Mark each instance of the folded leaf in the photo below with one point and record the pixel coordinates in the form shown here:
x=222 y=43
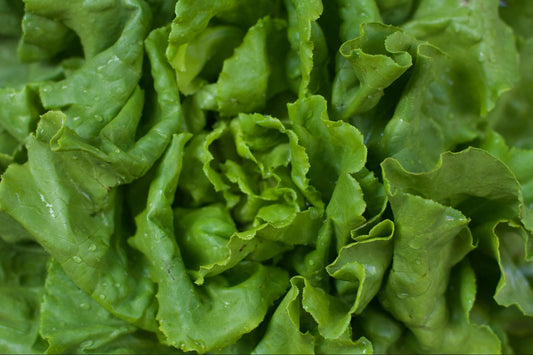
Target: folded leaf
x=307 y=62
x=309 y=321
x=73 y=323
x=379 y=56
x=65 y=169
x=235 y=301
x=361 y=266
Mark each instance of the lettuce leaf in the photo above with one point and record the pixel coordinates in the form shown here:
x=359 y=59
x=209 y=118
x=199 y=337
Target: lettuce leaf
x=238 y=176
x=22 y=275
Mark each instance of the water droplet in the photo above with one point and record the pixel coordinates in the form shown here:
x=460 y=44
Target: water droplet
x=74 y=157
x=450 y=218
x=481 y=57
x=86 y=344
x=92 y=247
x=418 y=262
x=98 y=118
x=200 y=346
x=75 y=118
x=371 y=269
x=85 y=306
x=114 y=58
x=102 y=297
x=76 y=259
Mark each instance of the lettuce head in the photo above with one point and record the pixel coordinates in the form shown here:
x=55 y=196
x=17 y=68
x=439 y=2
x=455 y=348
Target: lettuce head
x=266 y=176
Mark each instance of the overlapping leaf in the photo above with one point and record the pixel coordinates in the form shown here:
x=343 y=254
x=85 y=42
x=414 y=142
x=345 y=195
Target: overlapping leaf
x=239 y=176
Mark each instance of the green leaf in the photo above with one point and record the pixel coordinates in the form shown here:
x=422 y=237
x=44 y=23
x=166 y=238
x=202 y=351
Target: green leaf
x=205 y=55
x=361 y=266
x=476 y=53
x=22 y=275
x=308 y=60
x=379 y=56
x=381 y=329
x=64 y=169
x=346 y=207
x=516 y=103
x=333 y=147
x=465 y=181
x=11 y=12
x=310 y=321
x=284 y=334
x=453 y=83
x=517 y=14
x=43 y=38
x=237 y=300
x=113 y=60
x=472 y=181
x=352 y=14
x=255 y=72
x=395 y=11
x=14 y=74
x=508 y=244
x=73 y=323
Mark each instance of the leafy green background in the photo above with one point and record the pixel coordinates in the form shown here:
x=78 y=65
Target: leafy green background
x=272 y=176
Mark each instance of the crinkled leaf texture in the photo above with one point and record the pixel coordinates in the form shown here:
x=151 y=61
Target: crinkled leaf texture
x=266 y=176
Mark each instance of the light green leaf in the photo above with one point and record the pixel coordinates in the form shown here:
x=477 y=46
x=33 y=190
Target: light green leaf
x=73 y=323
x=333 y=147
x=379 y=56
x=232 y=304
x=326 y=324
x=361 y=266
x=307 y=63
x=453 y=83
x=255 y=72
x=516 y=103
x=22 y=275
x=63 y=170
